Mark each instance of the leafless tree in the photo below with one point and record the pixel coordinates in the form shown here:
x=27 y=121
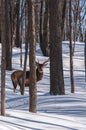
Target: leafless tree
x=3 y=59
x=85 y=56
x=44 y=26
x=32 y=59
x=57 y=10
x=8 y=35
x=71 y=48
x=17 y=39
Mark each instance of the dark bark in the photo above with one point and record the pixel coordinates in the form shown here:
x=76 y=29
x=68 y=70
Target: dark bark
x=75 y=22
x=41 y=23
x=44 y=17
x=45 y=28
x=26 y=53
x=71 y=48
x=85 y=56
x=17 y=40
x=8 y=36
x=32 y=59
x=3 y=59
x=56 y=63
x=0 y=31
x=37 y=19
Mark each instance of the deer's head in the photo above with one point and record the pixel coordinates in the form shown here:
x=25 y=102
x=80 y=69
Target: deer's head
x=41 y=65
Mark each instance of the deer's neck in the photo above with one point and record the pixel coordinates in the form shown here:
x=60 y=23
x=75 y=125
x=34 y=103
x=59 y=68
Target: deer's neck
x=39 y=74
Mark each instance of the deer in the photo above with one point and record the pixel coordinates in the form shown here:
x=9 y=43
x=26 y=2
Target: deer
x=17 y=76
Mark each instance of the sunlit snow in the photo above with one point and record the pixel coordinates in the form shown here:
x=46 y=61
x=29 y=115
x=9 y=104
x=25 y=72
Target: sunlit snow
x=65 y=112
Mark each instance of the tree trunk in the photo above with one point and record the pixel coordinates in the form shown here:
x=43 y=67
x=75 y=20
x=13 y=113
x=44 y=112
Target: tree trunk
x=56 y=32
x=41 y=23
x=32 y=59
x=85 y=56
x=44 y=40
x=0 y=31
x=37 y=20
x=8 y=36
x=71 y=48
x=75 y=22
x=45 y=28
x=26 y=53
x=17 y=40
x=3 y=59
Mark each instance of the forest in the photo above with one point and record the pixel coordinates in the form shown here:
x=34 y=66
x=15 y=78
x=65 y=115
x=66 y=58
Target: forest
x=41 y=43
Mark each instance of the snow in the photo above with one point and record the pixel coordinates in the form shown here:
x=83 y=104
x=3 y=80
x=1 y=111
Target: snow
x=61 y=112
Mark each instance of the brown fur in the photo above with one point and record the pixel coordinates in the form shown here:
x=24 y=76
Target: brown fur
x=16 y=76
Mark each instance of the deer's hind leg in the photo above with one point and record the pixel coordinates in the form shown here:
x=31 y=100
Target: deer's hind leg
x=14 y=81
x=21 y=86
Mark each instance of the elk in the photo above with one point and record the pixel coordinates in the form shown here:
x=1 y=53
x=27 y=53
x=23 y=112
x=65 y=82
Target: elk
x=17 y=76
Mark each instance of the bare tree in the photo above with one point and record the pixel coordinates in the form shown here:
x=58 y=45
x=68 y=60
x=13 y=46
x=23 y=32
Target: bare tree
x=41 y=23
x=17 y=40
x=32 y=59
x=26 y=49
x=8 y=35
x=78 y=21
x=85 y=56
x=82 y=21
x=37 y=8
x=76 y=17
x=3 y=59
x=66 y=25
x=0 y=31
x=71 y=48
x=57 y=10
x=44 y=26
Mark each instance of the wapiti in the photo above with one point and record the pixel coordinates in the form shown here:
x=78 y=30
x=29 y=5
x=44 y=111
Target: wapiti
x=16 y=76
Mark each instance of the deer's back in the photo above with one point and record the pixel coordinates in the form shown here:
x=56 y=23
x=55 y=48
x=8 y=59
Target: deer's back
x=17 y=74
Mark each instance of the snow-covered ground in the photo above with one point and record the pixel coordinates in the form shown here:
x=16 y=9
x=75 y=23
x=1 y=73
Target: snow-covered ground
x=65 y=112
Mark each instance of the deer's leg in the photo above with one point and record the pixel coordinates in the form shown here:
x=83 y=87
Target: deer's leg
x=14 y=81
x=21 y=87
